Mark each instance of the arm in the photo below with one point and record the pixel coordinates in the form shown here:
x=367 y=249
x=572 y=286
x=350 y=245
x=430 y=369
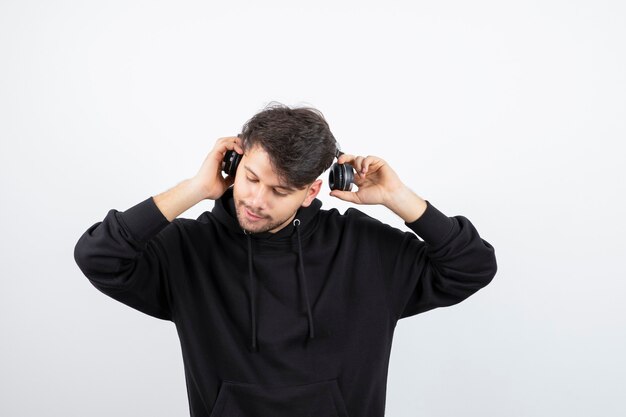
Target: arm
x=125 y=256
x=449 y=265
x=128 y=254
x=452 y=262
x=208 y=182
x=175 y=201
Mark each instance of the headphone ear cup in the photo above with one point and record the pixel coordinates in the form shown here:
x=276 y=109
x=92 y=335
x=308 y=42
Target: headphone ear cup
x=231 y=162
x=341 y=177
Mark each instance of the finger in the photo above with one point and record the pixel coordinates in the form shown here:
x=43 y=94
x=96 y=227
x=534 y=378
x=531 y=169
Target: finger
x=239 y=145
x=371 y=161
x=358 y=164
x=227 y=139
x=345 y=159
x=366 y=164
x=350 y=159
x=232 y=143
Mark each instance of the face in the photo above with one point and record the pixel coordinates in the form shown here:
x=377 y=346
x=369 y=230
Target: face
x=263 y=203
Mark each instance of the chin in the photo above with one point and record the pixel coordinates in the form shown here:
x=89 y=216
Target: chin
x=252 y=228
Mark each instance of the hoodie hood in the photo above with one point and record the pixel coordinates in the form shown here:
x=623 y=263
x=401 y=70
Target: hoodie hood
x=304 y=223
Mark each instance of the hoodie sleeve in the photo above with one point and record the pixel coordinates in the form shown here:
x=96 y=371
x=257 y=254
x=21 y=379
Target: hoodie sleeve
x=124 y=257
x=450 y=264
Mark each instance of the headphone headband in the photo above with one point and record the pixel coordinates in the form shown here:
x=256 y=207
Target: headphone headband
x=338 y=152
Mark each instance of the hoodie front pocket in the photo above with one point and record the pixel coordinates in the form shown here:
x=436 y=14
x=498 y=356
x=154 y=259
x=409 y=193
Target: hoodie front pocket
x=318 y=399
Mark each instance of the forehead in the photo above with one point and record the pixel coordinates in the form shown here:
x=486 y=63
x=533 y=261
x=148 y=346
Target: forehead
x=257 y=162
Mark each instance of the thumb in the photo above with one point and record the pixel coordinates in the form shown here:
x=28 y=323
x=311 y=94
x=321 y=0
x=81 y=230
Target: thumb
x=344 y=195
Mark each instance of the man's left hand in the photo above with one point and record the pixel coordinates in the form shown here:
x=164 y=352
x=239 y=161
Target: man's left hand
x=376 y=181
x=379 y=184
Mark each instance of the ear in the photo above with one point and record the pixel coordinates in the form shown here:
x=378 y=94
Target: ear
x=312 y=192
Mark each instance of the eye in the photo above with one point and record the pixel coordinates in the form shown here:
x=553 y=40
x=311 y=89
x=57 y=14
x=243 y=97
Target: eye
x=275 y=192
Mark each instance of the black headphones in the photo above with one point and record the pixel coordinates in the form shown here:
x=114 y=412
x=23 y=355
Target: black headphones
x=341 y=176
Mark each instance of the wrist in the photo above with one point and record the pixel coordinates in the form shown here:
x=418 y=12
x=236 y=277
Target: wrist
x=178 y=199
x=406 y=204
x=197 y=189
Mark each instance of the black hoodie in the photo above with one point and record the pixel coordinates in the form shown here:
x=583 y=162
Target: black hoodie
x=296 y=323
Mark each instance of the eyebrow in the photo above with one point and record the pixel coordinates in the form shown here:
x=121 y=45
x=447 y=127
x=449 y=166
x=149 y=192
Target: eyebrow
x=275 y=186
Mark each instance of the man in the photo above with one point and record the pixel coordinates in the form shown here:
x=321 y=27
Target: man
x=283 y=308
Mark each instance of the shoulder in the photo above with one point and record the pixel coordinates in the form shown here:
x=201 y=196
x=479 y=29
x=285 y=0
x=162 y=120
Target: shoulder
x=378 y=229
x=186 y=228
x=355 y=220
x=203 y=221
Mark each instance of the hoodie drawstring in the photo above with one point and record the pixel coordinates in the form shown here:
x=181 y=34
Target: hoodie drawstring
x=251 y=291
x=302 y=282
x=302 y=276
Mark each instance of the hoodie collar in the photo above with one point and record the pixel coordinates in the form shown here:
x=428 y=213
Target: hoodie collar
x=301 y=225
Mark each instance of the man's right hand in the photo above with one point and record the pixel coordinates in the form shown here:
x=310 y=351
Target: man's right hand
x=209 y=178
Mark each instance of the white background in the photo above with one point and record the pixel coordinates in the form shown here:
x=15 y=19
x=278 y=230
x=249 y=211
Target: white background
x=509 y=113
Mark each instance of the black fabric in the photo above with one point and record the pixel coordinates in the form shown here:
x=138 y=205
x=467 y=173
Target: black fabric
x=294 y=323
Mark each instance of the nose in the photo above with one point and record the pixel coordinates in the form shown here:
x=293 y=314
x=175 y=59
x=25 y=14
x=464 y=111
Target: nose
x=258 y=202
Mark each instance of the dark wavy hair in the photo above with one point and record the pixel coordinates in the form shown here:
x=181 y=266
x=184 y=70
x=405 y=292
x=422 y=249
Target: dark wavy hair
x=298 y=141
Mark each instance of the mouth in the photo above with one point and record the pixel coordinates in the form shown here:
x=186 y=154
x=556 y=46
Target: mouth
x=251 y=215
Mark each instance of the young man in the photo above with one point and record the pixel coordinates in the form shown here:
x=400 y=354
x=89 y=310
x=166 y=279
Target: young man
x=283 y=308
